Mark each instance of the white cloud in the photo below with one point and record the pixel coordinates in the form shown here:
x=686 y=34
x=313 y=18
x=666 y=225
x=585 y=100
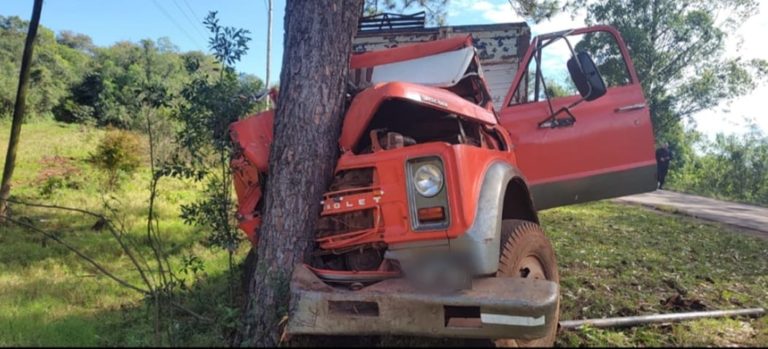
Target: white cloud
x=734 y=118
x=561 y=21
x=482 y=6
x=456 y=8
x=497 y=11
x=502 y=13
x=749 y=41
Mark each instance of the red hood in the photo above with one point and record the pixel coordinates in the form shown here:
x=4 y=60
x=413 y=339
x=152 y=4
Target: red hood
x=366 y=103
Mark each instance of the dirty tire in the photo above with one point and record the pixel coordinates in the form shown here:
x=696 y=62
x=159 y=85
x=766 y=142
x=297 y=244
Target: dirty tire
x=526 y=252
x=249 y=267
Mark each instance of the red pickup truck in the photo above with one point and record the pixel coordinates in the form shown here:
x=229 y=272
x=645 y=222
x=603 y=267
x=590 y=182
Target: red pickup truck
x=430 y=226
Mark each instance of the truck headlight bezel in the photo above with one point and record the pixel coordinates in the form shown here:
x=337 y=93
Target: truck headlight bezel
x=430 y=196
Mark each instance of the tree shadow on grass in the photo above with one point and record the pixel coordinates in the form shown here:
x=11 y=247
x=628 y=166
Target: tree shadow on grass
x=37 y=329
x=21 y=246
x=63 y=315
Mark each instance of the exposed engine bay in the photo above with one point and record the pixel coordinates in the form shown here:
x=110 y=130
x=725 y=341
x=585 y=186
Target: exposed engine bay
x=400 y=123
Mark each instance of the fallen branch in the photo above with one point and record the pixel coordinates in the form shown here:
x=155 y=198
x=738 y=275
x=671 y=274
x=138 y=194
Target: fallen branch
x=73 y=209
x=190 y=312
x=112 y=230
x=77 y=252
x=658 y=318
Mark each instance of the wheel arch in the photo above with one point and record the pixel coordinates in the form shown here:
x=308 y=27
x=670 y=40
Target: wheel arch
x=517 y=202
x=503 y=195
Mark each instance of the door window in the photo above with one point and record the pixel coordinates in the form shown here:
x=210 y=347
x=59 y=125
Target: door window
x=546 y=75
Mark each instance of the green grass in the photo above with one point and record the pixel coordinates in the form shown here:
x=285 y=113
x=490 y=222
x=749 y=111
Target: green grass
x=49 y=296
x=619 y=260
x=614 y=260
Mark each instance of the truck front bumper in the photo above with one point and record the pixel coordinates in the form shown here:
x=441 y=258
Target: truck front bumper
x=513 y=308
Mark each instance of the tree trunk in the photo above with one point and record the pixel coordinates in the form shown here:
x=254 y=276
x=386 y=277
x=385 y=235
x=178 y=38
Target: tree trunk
x=18 y=110
x=318 y=41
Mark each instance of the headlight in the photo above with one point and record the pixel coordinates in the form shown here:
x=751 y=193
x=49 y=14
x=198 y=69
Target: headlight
x=428 y=180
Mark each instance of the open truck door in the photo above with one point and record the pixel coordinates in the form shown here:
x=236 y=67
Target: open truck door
x=579 y=122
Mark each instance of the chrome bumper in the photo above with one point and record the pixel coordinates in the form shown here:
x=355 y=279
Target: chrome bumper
x=494 y=308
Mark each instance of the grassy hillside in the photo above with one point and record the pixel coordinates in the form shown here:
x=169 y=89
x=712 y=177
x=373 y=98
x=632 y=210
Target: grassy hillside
x=48 y=296
x=614 y=260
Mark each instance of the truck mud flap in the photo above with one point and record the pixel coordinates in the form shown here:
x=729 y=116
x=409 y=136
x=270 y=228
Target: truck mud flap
x=494 y=308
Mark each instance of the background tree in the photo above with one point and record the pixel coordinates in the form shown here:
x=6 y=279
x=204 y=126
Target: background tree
x=109 y=91
x=72 y=80
x=538 y=10
x=678 y=48
x=732 y=167
x=19 y=109
x=76 y=41
x=53 y=69
x=535 y=10
x=435 y=9
x=211 y=104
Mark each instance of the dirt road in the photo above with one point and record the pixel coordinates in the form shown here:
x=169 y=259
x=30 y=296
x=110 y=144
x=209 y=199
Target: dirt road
x=749 y=217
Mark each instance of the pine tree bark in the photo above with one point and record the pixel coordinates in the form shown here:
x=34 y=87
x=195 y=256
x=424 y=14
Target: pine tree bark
x=317 y=46
x=18 y=110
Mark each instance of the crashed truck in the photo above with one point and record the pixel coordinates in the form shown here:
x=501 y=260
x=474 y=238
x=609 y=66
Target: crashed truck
x=430 y=225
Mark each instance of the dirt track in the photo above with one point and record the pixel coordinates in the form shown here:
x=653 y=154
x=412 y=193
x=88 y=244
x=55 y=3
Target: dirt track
x=752 y=218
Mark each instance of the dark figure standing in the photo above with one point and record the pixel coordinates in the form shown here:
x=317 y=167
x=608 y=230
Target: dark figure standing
x=663 y=156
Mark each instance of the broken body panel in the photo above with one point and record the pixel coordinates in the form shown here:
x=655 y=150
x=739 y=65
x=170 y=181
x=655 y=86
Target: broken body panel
x=428 y=169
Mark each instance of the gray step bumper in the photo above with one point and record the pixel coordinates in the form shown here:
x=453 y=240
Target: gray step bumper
x=493 y=308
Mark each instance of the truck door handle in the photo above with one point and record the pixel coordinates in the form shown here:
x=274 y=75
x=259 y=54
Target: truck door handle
x=631 y=107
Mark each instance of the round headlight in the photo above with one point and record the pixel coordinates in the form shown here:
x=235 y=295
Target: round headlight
x=428 y=180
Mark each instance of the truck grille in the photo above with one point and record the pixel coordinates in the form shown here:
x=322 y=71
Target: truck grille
x=345 y=223
x=347 y=182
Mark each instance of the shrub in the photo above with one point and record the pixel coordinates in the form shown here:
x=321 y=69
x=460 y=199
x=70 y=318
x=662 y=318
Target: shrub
x=117 y=154
x=70 y=112
x=57 y=172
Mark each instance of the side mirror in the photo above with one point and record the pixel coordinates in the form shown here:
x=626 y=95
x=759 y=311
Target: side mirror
x=586 y=77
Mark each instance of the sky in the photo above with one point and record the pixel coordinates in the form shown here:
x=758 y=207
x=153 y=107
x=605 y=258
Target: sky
x=109 y=21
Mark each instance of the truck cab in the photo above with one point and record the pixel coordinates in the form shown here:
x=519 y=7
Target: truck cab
x=430 y=225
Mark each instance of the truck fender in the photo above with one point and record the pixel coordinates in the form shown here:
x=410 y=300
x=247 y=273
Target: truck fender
x=503 y=195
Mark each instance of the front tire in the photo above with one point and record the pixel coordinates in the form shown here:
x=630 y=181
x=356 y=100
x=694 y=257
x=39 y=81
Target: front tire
x=526 y=252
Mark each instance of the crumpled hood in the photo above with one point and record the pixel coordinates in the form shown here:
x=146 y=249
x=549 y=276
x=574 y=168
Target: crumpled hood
x=366 y=103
